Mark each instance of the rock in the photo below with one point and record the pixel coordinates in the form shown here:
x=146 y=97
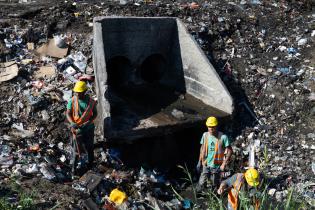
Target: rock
x=280 y=195
x=178 y=114
x=311 y=135
x=272 y=191
x=289 y=148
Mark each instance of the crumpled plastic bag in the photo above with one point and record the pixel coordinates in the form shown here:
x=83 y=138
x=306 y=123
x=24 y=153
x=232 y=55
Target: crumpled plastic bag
x=117 y=196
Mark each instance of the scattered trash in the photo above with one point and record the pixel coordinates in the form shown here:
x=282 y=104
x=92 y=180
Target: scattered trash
x=272 y=70
x=60 y=41
x=34 y=148
x=284 y=70
x=302 y=42
x=6 y=161
x=47 y=172
x=50 y=49
x=80 y=61
x=186 y=204
x=91 y=180
x=8 y=71
x=292 y=50
x=71 y=71
x=30 y=46
x=45 y=72
x=193 y=5
x=21 y=132
x=178 y=114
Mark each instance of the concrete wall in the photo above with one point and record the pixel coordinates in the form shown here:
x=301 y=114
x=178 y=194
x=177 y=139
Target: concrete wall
x=201 y=79
x=137 y=39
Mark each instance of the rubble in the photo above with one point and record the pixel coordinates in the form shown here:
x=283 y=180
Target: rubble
x=8 y=71
x=263 y=51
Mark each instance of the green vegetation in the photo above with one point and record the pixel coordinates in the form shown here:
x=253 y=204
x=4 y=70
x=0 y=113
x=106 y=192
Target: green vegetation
x=293 y=200
x=21 y=200
x=24 y=202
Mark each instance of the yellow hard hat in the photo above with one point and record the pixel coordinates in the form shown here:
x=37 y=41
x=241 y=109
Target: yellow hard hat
x=211 y=122
x=252 y=177
x=80 y=87
x=117 y=196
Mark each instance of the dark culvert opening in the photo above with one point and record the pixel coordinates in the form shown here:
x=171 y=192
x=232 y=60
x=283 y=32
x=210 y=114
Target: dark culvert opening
x=164 y=153
x=153 y=68
x=137 y=94
x=119 y=69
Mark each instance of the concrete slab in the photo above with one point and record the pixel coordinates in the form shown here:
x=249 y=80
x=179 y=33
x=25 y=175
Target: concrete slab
x=147 y=69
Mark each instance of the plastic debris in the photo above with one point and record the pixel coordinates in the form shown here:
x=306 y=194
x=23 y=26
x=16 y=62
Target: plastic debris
x=80 y=61
x=117 y=196
x=47 y=172
x=302 y=42
x=186 y=204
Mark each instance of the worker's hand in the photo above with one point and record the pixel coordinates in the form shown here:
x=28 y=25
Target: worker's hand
x=86 y=123
x=198 y=167
x=220 y=190
x=74 y=125
x=222 y=167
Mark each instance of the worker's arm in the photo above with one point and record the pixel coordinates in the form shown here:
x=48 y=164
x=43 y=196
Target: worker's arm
x=229 y=152
x=222 y=188
x=226 y=184
x=94 y=116
x=69 y=117
x=68 y=112
x=70 y=120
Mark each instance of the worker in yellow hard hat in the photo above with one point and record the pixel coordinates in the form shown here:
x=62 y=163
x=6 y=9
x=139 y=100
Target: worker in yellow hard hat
x=237 y=182
x=81 y=113
x=215 y=153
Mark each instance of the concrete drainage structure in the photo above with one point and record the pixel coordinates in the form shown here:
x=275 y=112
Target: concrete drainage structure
x=152 y=78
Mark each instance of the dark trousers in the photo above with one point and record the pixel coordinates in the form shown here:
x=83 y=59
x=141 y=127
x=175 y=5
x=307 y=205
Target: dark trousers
x=82 y=143
x=213 y=174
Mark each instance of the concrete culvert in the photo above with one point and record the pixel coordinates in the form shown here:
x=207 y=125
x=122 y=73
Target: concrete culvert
x=174 y=87
x=119 y=69
x=152 y=68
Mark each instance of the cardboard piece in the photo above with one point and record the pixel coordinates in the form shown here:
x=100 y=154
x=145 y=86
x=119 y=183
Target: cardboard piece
x=50 y=49
x=91 y=180
x=8 y=71
x=30 y=46
x=45 y=72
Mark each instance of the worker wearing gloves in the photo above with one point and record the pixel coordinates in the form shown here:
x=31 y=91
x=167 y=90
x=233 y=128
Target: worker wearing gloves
x=237 y=182
x=81 y=112
x=214 y=145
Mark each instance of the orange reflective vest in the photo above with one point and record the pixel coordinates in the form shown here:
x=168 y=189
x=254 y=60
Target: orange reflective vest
x=86 y=115
x=218 y=151
x=233 y=192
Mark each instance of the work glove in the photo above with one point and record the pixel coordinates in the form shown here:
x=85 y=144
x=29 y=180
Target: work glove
x=74 y=125
x=198 y=167
x=85 y=124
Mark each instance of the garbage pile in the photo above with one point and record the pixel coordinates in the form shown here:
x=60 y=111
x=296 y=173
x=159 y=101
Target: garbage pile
x=263 y=51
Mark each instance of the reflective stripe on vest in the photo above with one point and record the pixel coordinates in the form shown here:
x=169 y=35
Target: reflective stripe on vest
x=218 y=151
x=87 y=114
x=233 y=192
